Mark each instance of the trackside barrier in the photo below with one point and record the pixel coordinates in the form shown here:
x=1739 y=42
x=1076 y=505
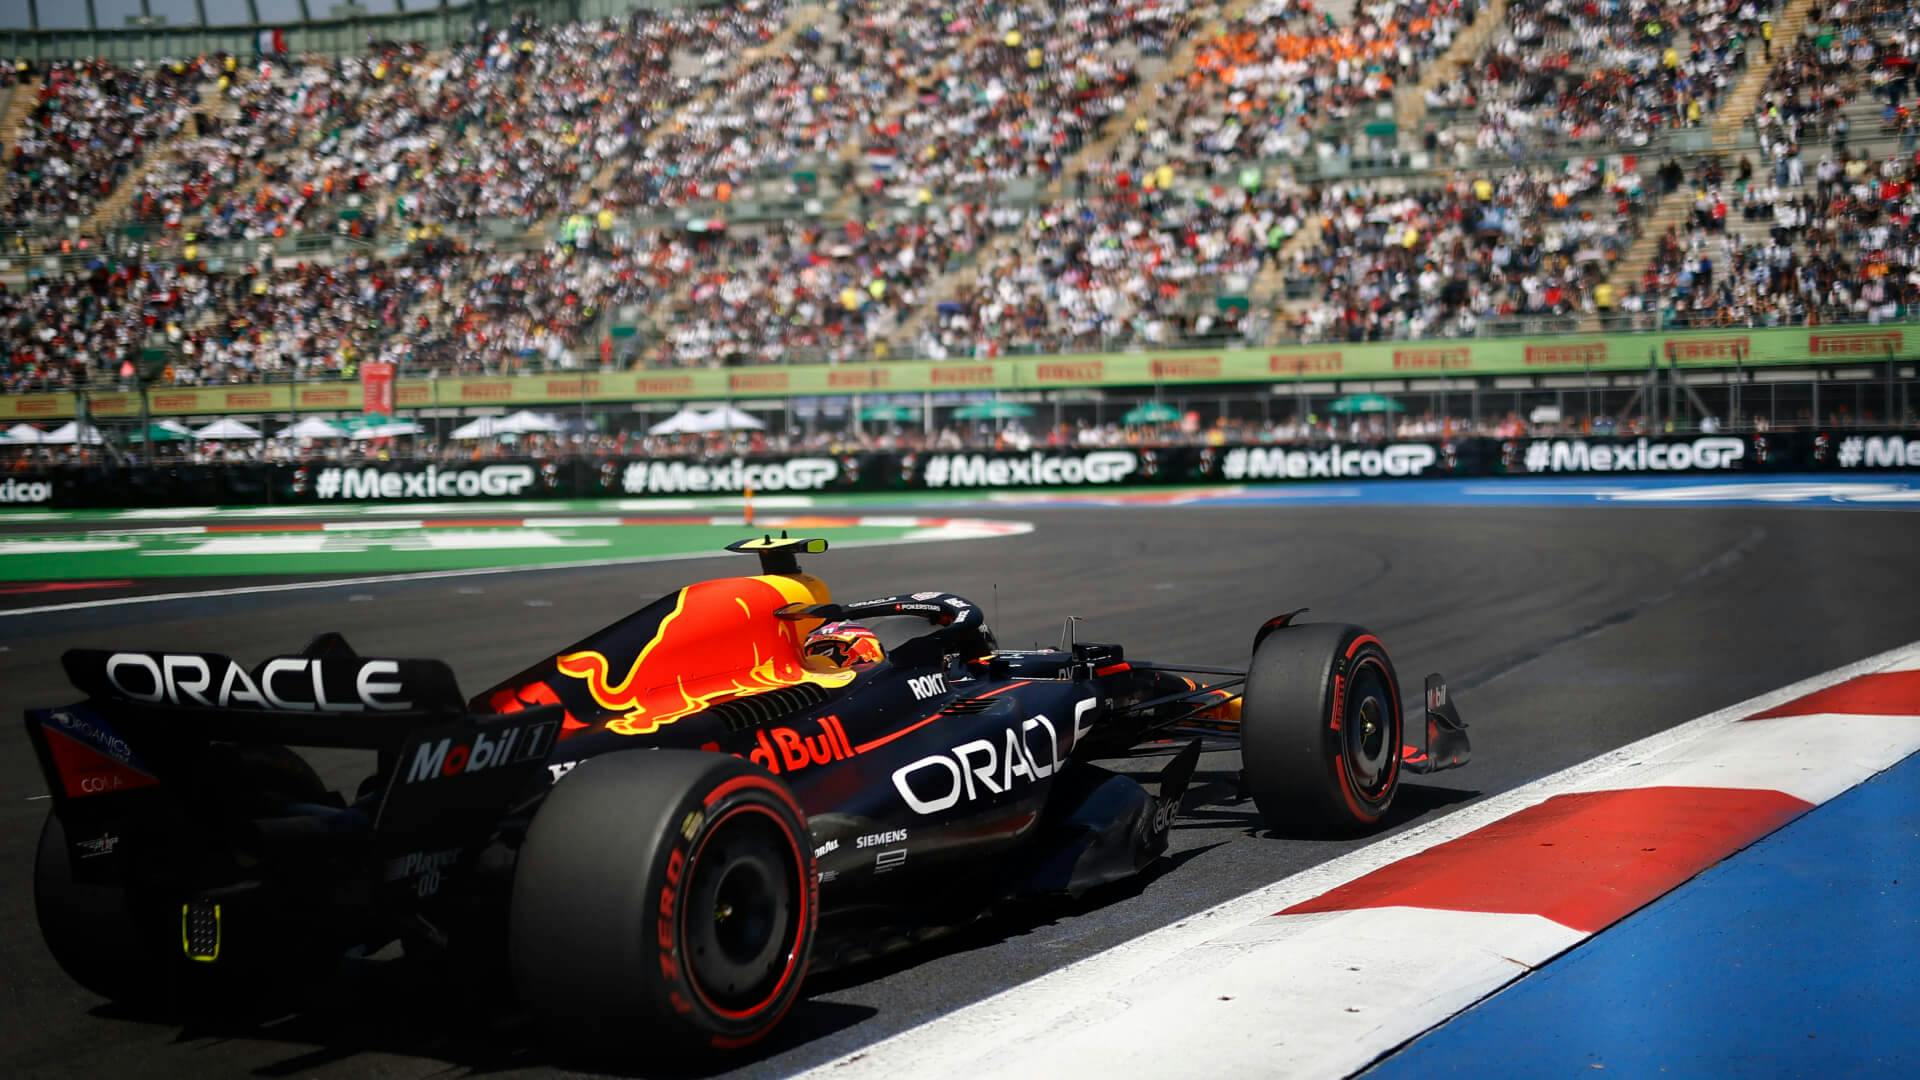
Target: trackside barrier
x=1839 y=451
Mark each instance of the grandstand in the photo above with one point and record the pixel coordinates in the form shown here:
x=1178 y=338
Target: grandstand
x=260 y=190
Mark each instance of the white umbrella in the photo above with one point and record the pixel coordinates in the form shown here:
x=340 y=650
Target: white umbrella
x=728 y=418
x=528 y=422
x=24 y=433
x=227 y=428
x=70 y=433
x=312 y=428
x=386 y=431
x=485 y=427
x=680 y=423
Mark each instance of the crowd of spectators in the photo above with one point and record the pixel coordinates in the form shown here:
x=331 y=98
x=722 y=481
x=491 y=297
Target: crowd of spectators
x=1141 y=265
x=87 y=128
x=809 y=290
x=514 y=124
x=1608 y=74
x=1286 y=74
x=927 y=117
x=1840 y=244
x=1399 y=261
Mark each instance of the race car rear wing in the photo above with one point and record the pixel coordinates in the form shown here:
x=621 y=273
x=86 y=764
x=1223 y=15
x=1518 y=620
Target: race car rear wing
x=148 y=715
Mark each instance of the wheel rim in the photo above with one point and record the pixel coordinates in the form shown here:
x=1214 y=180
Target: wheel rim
x=1367 y=730
x=740 y=922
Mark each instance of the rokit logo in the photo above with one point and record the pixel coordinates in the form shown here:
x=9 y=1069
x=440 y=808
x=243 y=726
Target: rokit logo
x=670 y=477
x=1643 y=455
x=1334 y=462
x=482 y=750
x=926 y=686
x=433 y=482
x=980 y=470
x=286 y=682
x=28 y=491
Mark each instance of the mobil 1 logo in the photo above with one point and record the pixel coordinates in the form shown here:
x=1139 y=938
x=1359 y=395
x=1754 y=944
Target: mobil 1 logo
x=445 y=776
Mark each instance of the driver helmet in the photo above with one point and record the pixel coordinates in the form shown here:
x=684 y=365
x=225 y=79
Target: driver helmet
x=838 y=646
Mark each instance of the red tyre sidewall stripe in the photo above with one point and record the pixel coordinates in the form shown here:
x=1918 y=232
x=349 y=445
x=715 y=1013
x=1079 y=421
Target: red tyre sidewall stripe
x=804 y=894
x=1347 y=793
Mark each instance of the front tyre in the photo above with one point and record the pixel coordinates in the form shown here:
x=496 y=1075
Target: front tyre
x=671 y=887
x=1321 y=728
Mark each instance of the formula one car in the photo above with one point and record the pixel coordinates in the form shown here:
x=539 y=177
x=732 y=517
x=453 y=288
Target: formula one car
x=791 y=811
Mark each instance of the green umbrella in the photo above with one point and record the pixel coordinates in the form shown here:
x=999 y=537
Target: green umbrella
x=164 y=431
x=889 y=412
x=993 y=410
x=1152 y=412
x=367 y=420
x=1366 y=403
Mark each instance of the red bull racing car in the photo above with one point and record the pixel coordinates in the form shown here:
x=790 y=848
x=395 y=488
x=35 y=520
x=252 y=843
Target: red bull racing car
x=805 y=798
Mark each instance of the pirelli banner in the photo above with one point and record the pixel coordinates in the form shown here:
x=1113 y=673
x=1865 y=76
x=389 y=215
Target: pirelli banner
x=1600 y=353
x=1078 y=469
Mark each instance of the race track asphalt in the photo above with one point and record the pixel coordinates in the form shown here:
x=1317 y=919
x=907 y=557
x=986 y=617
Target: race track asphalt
x=1565 y=633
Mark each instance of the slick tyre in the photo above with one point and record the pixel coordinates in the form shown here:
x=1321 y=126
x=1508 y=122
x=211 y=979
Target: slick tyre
x=90 y=929
x=1321 y=729
x=122 y=941
x=669 y=887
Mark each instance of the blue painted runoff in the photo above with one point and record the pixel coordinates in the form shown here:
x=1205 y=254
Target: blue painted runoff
x=1798 y=957
x=1859 y=491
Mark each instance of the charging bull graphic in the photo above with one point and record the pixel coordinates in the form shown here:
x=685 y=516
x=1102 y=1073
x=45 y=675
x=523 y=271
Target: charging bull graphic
x=720 y=641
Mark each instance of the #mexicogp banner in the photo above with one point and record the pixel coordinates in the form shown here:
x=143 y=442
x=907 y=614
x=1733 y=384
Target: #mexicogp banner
x=103 y=485
x=1560 y=355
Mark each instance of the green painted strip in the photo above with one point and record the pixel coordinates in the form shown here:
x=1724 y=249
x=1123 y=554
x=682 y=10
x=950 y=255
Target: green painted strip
x=80 y=556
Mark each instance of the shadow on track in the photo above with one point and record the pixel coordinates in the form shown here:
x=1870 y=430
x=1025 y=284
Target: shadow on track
x=388 y=1006
x=1215 y=801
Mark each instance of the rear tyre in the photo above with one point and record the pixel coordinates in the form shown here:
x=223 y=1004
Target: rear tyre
x=122 y=941
x=671 y=887
x=90 y=929
x=1321 y=728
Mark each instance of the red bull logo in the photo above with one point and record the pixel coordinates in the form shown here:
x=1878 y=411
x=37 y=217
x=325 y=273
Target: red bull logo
x=722 y=640
x=785 y=750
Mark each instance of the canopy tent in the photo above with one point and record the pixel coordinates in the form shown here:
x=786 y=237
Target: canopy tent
x=528 y=422
x=728 y=418
x=691 y=421
x=993 y=410
x=313 y=428
x=520 y=423
x=1366 y=403
x=21 y=434
x=889 y=412
x=1152 y=412
x=228 y=428
x=70 y=433
x=163 y=431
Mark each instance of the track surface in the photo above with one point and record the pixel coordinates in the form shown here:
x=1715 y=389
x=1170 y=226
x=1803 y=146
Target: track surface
x=1565 y=633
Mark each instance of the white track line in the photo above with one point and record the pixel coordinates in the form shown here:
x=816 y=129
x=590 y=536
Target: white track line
x=1110 y=1012
x=955 y=530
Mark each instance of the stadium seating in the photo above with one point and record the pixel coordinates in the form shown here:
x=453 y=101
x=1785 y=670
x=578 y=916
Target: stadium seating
x=772 y=182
